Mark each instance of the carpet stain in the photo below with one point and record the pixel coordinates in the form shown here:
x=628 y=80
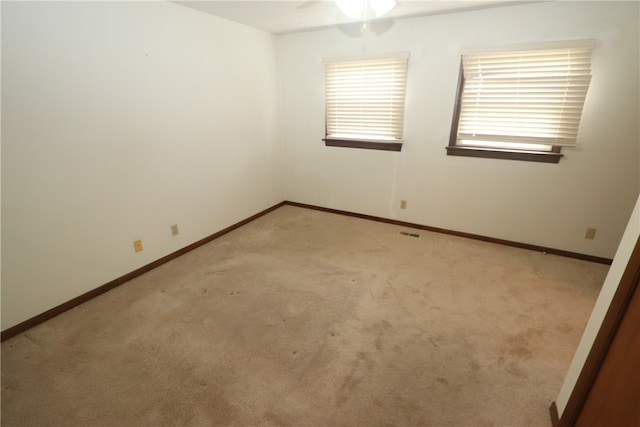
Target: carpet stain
x=362 y=364
x=278 y=419
x=379 y=330
x=520 y=345
x=565 y=328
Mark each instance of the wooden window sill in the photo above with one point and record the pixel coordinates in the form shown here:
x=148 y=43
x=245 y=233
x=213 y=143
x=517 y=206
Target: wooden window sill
x=367 y=145
x=494 y=153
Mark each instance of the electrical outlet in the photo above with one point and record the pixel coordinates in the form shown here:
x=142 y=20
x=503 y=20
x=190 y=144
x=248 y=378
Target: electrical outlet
x=403 y=204
x=137 y=245
x=174 y=230
x=590 y=234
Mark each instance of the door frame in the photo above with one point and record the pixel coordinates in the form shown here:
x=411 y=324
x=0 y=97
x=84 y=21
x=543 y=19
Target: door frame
x=610 y=324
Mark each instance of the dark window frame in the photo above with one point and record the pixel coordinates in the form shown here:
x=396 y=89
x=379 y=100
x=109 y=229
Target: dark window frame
x=362 y=143
x=453 y=149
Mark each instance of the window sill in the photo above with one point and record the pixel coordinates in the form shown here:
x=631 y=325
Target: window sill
x=494 y=153
x=367 y=145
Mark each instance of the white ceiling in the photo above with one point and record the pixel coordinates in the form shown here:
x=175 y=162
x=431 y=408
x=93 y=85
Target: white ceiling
x=288 y=16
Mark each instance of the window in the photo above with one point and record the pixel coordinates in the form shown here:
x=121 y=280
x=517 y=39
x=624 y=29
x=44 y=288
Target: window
x=365 y=101
x=521 y=102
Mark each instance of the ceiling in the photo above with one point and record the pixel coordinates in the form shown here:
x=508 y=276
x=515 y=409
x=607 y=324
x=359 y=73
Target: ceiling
x=289 y=16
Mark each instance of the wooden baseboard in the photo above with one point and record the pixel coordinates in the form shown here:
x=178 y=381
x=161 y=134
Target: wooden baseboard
x=555 y=418
x=30 y=323
x=536 y=248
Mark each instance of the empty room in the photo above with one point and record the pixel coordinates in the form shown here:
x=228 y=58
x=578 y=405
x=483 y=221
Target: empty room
x=320 y=213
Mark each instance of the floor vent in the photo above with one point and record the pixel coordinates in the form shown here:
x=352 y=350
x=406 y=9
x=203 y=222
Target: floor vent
x=404 y=233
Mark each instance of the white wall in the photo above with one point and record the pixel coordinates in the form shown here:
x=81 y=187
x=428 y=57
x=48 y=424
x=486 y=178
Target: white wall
x=118 y=120
x=594 y=185
x=623 y=254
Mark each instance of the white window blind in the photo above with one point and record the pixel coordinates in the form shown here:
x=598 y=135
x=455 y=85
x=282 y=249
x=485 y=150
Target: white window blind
x=365 y=98
x=531 y=94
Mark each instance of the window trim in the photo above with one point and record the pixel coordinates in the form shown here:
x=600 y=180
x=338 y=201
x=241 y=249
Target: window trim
x=364 y=144
x=496 y=153
x=453 y=149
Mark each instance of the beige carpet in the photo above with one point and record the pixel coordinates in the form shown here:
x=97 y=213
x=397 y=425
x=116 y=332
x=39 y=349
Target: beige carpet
x=304 y=318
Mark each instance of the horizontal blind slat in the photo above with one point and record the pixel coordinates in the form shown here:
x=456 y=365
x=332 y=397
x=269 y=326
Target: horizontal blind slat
x=525 y=96
x=366 y=97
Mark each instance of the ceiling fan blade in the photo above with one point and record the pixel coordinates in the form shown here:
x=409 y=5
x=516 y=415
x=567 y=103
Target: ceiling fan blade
x=308 y=3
